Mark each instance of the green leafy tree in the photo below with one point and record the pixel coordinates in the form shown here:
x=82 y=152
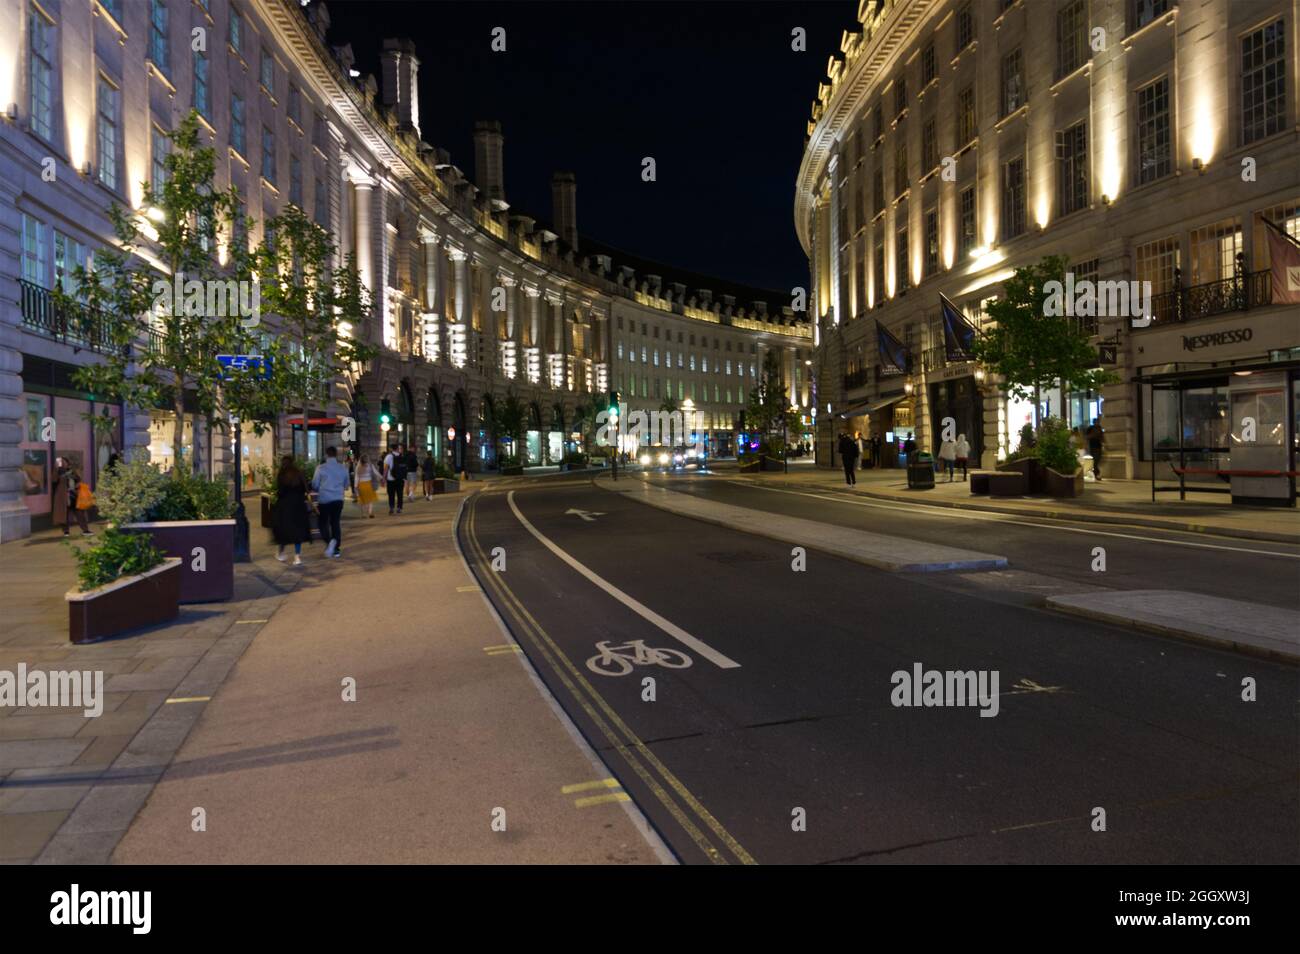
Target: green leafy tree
x=1032 y=350
x=146 y=299
x=768 y=411
x=511 y=418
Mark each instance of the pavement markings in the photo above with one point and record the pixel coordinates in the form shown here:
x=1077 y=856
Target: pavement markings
x=507 y=650
x=1003 y=518
x=624 y=741
x=249 y=622
x=601 y=799
x=1028 y=685
x=469 y=589
x=188 y=699
x=645 y=612
x=588 y=786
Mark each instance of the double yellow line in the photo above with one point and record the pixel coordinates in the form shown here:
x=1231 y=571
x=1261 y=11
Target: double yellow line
x=656 y=776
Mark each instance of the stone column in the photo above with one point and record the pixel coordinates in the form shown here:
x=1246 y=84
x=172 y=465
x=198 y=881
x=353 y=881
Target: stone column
x=533 y=335
x=365 y=250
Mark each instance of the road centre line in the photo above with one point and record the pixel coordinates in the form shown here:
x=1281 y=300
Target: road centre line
x=645 y=612
x=1005 y=518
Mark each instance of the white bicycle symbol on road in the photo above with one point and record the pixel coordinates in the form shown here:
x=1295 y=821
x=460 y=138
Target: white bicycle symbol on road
x=619 y=660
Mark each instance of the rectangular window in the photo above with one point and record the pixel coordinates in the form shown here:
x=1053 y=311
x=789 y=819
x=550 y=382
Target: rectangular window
x=238 y=140
x=202 y=96
x=1086 y=271
x=1157 y=262
x=878 y=191
x=108 y=135
x=35 y=252
x=965 y=116
x=1263 y=82
x=268 y=155
x=965 y=28
x=1153 y=150
x=966 y=222
x=1214 y=251
x=69 y=254
x=1072 y=169
x=929 y=146
x=267 y=75
x=294 y=109
x=900 y=95
x=879 y=278
x=322 y=205
x=902 y=274
x=318 y=132
x=931 y=242
x=41 y=74
x=1144 y=11
x=1013 y=82
x=158 y=33
x=236 y=32
x=928 y=71
x=877 y=124
x=900 y=168
x=1013 y=198
x=1071 y=38
x=295 y=181
x=161 y=146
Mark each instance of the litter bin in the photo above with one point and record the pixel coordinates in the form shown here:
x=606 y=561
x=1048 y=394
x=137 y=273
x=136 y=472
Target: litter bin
x=920 y=471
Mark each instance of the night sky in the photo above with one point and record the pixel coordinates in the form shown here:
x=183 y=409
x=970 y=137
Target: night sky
x=711 y=90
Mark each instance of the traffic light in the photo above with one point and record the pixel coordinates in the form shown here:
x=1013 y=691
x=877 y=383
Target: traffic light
x=613 y=405
x=385 y=414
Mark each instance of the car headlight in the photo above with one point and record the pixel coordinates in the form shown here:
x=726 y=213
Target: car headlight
x=677 y=459
x=663 y=458
x=645 y=458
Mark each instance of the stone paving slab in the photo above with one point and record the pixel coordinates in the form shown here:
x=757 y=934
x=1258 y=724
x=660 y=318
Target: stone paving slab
x=896 y=554
x=1251 y=628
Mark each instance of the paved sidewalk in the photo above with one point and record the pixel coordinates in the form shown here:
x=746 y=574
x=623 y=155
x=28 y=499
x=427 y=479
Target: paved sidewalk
x=447 y=728
x=1109 y=501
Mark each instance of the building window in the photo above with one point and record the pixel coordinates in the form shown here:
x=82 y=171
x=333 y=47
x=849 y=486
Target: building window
x=268 y=155
x=878 y=190
x=108 y=134
x=1072 y=169
x=965 y=116
x=928 y=71
x=35 y=254
x=931 y=241
x=236 y=32
x=1214 y=251
x=1154 y=154
x=1157 y=262
x=966 y=222
x=294 y=108
x=878 y=279
x=69 y=254
x=1013 y=82
x=295 y=181
x=202 y=99
x=1144 y=11
x=322 y=205
x=41 y=74
x=1086 y=271
x=161 y=147
x=902 y=275
x=965 y=28
x=900 y=95
x=929 y=146
x=158 y=33
x=1263 y=82
x=1286 y=217
x=238 y=141
x=900 y=168
x=1071 y=38
x=1013 y=198
x=268 y=71
x=877 y=124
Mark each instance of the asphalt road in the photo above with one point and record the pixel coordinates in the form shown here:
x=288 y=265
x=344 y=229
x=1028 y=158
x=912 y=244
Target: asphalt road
x=784 y=712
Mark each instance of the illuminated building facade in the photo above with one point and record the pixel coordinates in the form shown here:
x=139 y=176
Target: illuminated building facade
x=1145 y=140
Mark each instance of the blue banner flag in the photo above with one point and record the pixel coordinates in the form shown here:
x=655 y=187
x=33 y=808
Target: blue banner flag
x=894 y=357
x=958 y=333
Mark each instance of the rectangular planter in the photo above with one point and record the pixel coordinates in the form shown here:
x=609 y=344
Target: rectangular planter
x=450 y=485
x=1061 y=485
x=206 y=549
x=132 y=602
x=1007 y=483
x=979 y=484
x=1033 y=471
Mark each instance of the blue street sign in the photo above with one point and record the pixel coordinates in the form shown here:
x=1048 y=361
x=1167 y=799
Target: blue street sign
x=244 y=363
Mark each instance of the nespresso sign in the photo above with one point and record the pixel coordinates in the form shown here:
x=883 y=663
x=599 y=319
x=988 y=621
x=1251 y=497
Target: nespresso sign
x=1231 y=336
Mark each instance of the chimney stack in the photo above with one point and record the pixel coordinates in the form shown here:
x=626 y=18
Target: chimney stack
x=488 y=159
x=400 y=69
x=564 y=206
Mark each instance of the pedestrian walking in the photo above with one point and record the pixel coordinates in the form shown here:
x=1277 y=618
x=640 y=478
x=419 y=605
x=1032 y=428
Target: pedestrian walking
x=291 y=505
x=861 y=445
x=848 y=449
x=412 y=472
x=395 y=477
x=1096 y=441
x=948 y=456
x=352 y=475
x=427 y=470
x=909 y=447
x=963 y=454
x=72 y=498
x=330 y=481
x=367 y=478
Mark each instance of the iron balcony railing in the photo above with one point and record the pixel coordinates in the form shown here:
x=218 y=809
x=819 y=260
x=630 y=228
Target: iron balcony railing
x=857 y=379
x=1243 y=291
x=71 y=324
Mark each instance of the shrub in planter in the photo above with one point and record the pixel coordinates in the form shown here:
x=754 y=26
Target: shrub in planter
x=1053 y=448
x=510 y=466
x=125 y=583
x=115 y=554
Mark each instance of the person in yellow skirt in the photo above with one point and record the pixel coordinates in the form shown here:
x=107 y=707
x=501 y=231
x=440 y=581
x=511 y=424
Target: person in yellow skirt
x=366 y=476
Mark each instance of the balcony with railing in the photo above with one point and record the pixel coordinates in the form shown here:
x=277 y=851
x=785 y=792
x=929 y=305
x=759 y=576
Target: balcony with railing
x=72 y=324
x=1243 y=291
x=857 y=379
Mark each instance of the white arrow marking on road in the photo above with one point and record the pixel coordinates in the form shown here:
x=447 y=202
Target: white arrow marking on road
x=587 y=515
x=672 y=629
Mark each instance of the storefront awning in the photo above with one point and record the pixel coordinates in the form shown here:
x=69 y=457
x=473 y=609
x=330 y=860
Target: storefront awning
x=854 y=410
x=885 y=402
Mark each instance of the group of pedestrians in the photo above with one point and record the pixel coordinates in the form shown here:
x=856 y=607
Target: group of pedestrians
x=398 y=471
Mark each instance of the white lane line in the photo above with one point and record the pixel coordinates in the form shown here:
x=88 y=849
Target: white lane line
x=1003 y=518
x=645 y=612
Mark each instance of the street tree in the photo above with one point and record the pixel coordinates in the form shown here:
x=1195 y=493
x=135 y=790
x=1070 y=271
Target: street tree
x=768 y=411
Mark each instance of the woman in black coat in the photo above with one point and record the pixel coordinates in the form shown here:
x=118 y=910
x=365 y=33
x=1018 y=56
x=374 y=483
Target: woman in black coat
x=291 y=510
